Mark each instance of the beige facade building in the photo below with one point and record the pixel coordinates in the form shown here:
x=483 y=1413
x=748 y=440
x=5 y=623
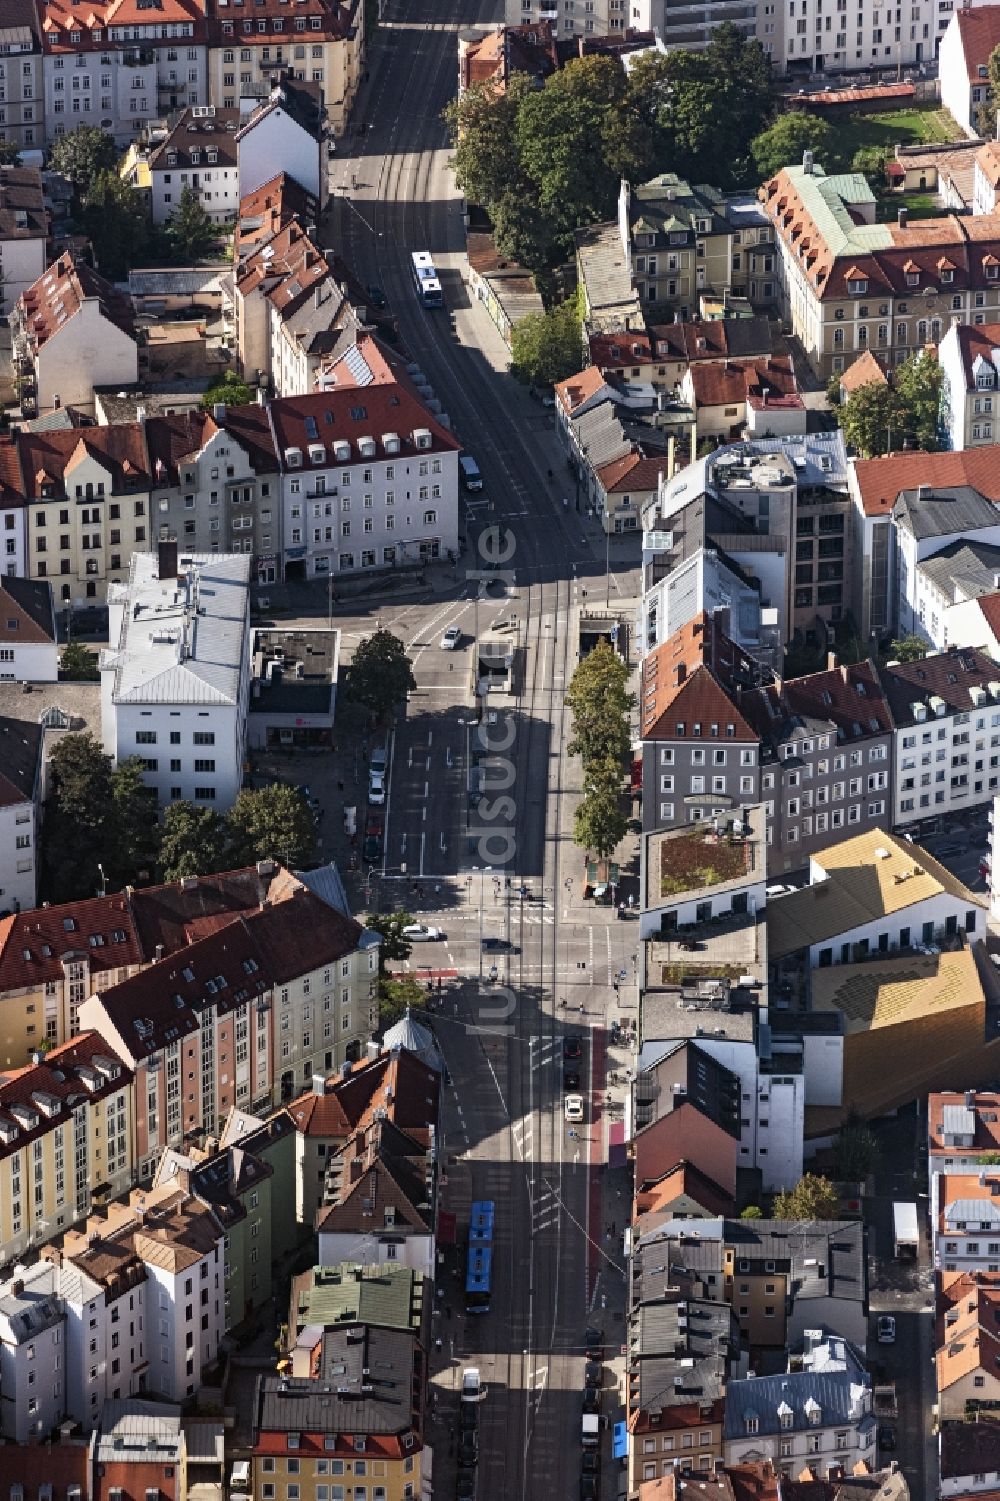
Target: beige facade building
x=677 y=240
x=65 y=1139
x=849 y=284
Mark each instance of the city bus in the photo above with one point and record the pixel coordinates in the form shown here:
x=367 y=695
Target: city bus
x=481 y=1223
x=425 y=279
x=478 y=1279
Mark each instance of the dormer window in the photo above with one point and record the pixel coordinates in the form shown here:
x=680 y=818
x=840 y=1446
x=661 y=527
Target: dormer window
x=947 y=274
x=858 y=287
x=195 y=158
x=913 y=278
x=984 y=380
x=751 y=1423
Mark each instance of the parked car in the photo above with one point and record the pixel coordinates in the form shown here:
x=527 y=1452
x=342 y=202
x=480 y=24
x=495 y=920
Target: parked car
x=592 y=1399
x=376 y=788
x=418 y=932
x=472 y=1387
x=573 y=1107
x=374 y=826
x=779 y=889
x=886 y=1438
x=371 y=850
x=468 y=1449
x=572 y=1048
x=590 y=1487
x=593 y=1342
x=591 y=1462
x=376 y=296
x=499 y=946
x=466 y=1485
x=886 y=1329
x=571 y=1078
x=379 y=759
x=593 y=1374
x=451 y=637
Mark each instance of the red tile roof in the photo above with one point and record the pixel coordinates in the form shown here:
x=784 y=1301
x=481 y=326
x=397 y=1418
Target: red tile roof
x=988 y=161
x=989 y=605
x=336 y=21
x=976 y=341
x=864 y=371
x=573 y=392
x=121 y=450
x=62 y=17
x=979 y=32
x=384 y=1169
x=682 y=684
x=986 y=1109
x=348 y=414
x=59 y=1466
x=42 y=1096
x=264 y=211
x=397 y=1082
x=732 y=382
x=57 y=295
x=633 y=472
x=880 y=481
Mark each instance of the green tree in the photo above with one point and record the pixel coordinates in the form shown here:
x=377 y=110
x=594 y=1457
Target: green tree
x=752 y=1212
x=75 y=834
x=190 y=232
x=482 y=125
x=855 y=1151
x=812 y=1198
x=917 y=383
x=134 y=834
x=396 y=997
x=81 y=154
x=9 y=154
x=272 y=822
x=872 y=161
x=601 y=706
x=873 y=419
x=910 y=648
x=548 y=347
x=381 y=674
x=193 y=841
x=78 y=664
x=782 y=144
x=114 y=217
x=229 y=389
x=599 y=823
x=986 y=114
x=395 y=947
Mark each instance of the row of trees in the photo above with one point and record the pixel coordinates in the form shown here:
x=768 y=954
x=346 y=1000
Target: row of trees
x=903 y=409
x=101 y=830
x=601 y=707
x=545 y=161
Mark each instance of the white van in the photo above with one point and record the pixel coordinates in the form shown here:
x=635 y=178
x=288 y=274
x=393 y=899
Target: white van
x=471 y=477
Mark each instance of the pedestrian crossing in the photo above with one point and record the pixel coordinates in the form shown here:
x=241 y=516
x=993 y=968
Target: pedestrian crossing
x=544 y=1051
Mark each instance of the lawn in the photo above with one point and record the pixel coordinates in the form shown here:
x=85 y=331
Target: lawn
x=698 y=859
x=897 y=127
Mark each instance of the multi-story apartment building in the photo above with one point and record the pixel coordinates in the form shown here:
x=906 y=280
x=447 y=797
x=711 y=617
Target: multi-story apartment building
x=29 y=651
x=848 y=284
x=121 y=71
x=32 y=1354
x=200 y=154
x=677 y=241
x=138 y=1447
x=965 y=1231
x=20 y=811
x=970 y=404
x=66 y=1130
x=682 y=25
x=946 y=712
x=970 y=35
x=287 y=132
x=369 y=476
x=71 y=331
x=821 y=1414
x=240 y=1017
x=21 y=110
x=321 y=41
x=926 y=522
x=215 y=484
x=341 y=1423
x=175 y=679
x=24 y=231
x=809 y=37
x=826 y=759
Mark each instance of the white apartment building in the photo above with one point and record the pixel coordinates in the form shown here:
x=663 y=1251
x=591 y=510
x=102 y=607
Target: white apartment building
x=966 y=1228
x=20 y=795
x=970 y=405
x=200 y=154
x=926 y=522
x=369 y=476
x=286 y=134
x=13 y=554
x=121 y=77
x=820 y=1416
x=32 y=1354
x=21 y=109
x=29 y=651
x=175 y=681
x=946 y=710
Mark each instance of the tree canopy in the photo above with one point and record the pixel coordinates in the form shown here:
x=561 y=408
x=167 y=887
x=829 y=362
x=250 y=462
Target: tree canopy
x=10 y=156
x=100 y=828
x=545 y=161
x=601 y=706
x=380 y=675
x=114 y=217
x=880 y=416
x=812 y=1198
x=189 y=231
x=396 y=997
x=786 y=139
x=600 y=823
x=548 y=347
x=910 y=648
x=395 y=948
x=230 y=389
x=78 y=663
x=193 y=841
x=272 y=822
x=81 y=154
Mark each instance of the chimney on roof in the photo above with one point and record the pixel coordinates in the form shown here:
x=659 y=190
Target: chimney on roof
x=158 y=952
x=167 y=559
x=319 y=1084
x=681 y=672
x=831 y=661
x=807 y=163
x=901 y=218
x=140 y=413
x=182 y=1178
x=219 y=412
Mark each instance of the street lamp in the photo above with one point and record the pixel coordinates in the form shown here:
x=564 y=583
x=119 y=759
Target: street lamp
x=483 y=872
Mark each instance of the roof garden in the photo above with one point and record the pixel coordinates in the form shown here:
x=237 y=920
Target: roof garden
x=700 y=858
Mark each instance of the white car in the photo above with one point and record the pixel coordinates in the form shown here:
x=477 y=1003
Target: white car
x=376 y=789
x=778 y=890
x=573 y=1107
x=418 y=932
x=887 y=1330
x=451 y=637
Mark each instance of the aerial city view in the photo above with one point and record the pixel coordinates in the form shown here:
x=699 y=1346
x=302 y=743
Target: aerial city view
x=499 y=750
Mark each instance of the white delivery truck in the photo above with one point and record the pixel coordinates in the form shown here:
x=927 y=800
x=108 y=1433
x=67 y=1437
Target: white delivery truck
x=905 y=1232
x=590 y=1435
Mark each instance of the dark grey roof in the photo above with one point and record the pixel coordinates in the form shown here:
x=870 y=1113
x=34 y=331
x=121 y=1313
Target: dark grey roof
x=950 y=675
x=20 y=749
x=365 y=1384
x=300 y=99
x=825 y=1258
x=201 y=132
x=701 y=1081
x=760 y=1397
x=969 y=1449
x=33 y=597
x=688 y=1327
x=964 y=569
x=662 y=1381
x=961 y=509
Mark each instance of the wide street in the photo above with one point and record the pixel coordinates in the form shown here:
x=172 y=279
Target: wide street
x=506 y=1136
